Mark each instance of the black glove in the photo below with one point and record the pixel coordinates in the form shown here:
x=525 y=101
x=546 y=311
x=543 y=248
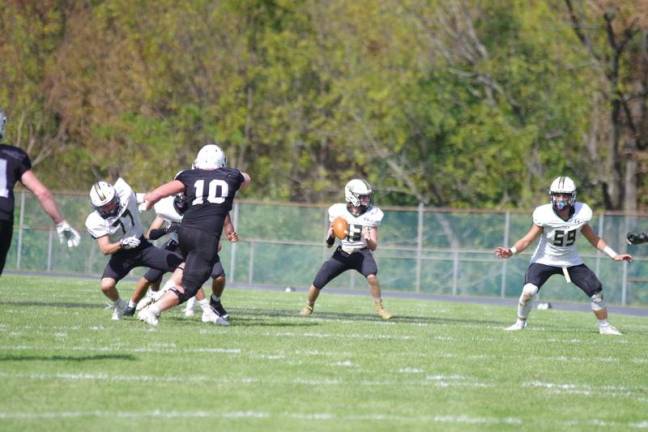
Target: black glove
x=635 y=239
x=157 y=233
x=329 y=241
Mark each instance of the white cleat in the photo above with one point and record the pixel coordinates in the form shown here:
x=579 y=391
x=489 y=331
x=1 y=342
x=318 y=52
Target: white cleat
x=148 y=317
x=118 y=309
x=189 y=312
x=519 y=325
x=211 y=317
x=609 y=330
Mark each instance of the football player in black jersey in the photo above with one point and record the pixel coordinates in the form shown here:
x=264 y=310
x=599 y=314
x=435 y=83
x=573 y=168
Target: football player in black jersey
x=15 y=166
x=210 y=188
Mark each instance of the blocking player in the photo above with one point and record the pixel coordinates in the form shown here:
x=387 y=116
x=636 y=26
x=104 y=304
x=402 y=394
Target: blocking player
x=169 y=212
x=557 y=224
x=15 y=166
x=116 y=225
x=355 y=251
x=210 y=188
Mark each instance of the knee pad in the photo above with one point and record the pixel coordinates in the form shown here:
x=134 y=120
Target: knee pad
x=598 y=303
x=183 y=296
x=528 y=292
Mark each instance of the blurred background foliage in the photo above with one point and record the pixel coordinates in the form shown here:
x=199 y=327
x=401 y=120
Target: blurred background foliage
x=453 y=103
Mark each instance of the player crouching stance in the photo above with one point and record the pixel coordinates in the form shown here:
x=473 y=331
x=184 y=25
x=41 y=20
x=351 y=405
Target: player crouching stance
x=558 y=223
x=116 y=226
x=355 y=250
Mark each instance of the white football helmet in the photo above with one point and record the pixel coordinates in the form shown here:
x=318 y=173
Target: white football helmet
x=560 y=187
x=3 y=123
x=210 y=157
x=104 y=199
x=358 y=193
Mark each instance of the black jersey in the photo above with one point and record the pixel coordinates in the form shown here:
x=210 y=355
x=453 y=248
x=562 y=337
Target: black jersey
x=13 y=164
x=210 y=194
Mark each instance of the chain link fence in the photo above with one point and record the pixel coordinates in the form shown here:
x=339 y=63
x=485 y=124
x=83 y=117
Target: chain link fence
x=424 y=250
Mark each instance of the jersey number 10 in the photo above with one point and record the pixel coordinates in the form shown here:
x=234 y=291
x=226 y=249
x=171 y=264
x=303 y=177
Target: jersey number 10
x=218 y=190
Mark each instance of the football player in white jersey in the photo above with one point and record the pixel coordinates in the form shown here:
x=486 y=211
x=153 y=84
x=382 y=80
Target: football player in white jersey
x=557 y=224
x=354 y=252
x=116 y=225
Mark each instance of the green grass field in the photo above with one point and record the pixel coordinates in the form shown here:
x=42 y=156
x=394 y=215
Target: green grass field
x=65 y=366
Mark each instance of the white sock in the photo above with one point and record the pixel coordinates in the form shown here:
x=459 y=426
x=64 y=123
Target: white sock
x=215 y=298
x=204 y=304
x=155 y=309
x=190 y=303
x=131 y=303
x=116 y=302
x=603 y=323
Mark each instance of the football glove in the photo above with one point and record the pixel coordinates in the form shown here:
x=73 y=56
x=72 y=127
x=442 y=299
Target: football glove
x=129 y=242
x=67 y=234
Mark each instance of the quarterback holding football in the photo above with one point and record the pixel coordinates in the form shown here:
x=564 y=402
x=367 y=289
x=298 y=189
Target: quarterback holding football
x=557 y=224
x=355 y=249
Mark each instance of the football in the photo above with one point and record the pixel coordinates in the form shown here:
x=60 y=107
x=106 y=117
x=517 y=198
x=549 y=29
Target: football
x=340 y=227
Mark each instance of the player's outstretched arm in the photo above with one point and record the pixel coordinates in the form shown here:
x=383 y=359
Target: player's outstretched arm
x=520 y=245
x=228 y=229
x=66 y=233
x=167 y=189
x=601 y=245
x=246 y=180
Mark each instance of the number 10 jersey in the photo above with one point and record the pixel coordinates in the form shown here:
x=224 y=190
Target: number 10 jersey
x=557 y=245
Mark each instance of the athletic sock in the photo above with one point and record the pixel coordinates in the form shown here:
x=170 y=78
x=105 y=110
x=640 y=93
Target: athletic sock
x=204 y=304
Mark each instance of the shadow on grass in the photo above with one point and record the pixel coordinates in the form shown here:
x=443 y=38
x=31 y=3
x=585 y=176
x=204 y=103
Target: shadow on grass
x=83 y=358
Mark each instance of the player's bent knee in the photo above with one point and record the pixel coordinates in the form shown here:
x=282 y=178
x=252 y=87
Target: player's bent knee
x=107 y=284
x=598 y=303
x=528 y=292
x=372 y=278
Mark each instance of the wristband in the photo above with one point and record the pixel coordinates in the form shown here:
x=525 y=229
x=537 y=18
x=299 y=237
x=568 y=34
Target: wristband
x=610 y=252
x=513 y=250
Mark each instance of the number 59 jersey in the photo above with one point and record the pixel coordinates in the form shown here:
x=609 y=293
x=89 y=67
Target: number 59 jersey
x=557 y=245
x=210 y=194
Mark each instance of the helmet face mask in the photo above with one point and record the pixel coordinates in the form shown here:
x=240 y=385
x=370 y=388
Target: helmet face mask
x=105 y=200
x=210 y=157
x=180 y=203
x=358 y=194
x=562 y=193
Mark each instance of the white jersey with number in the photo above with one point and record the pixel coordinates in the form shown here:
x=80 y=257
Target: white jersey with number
x=127 y=223
x=557 y=245
x=355 y=241
x=167 y=211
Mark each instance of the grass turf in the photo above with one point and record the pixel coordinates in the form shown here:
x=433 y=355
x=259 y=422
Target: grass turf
x=65 y=366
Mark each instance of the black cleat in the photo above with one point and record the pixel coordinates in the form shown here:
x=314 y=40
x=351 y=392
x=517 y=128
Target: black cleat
x=129 y=311
x=635 y=239
x=218 y=308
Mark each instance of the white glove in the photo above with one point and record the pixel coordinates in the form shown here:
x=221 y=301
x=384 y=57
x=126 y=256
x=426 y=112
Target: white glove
x=144 y=205
x=129 y=242
x=67 y=234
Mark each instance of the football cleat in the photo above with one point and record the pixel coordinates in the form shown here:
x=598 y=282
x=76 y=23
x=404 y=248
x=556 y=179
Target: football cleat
x=519 y=325
x=118 y=309
x=381 y=311
x=210 y=316
x=148 y=317
x=635 y=239
x=129 y=311
x=307 y=311
x=217 y=306
x=609 y=330
x=189 y=312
